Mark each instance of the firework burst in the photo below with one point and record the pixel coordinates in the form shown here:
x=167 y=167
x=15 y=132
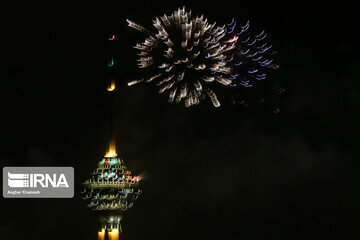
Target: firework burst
x=186 y=56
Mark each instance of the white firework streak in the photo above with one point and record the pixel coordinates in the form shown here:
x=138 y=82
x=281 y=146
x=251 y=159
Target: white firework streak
x=186 y=54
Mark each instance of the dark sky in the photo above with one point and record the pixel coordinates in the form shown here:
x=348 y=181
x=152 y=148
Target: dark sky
x=211 y=173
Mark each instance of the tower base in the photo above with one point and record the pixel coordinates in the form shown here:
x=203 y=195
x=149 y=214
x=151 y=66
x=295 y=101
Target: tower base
x=110 y=227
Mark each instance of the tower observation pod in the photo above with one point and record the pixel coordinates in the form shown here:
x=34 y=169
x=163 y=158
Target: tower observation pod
x=110 y=191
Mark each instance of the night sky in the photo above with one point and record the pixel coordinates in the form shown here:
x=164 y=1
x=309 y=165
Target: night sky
x=210 y=173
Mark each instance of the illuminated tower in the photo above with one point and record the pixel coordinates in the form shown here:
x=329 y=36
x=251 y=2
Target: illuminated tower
x=111 y=189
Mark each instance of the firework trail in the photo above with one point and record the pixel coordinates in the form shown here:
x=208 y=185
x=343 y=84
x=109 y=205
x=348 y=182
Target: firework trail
x=187 y=56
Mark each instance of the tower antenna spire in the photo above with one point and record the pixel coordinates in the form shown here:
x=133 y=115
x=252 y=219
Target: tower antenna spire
x=111 y=86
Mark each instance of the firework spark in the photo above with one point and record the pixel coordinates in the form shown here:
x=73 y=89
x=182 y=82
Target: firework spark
x=251 y=62
x=186 y=55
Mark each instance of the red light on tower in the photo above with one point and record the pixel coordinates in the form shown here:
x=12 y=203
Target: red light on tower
x=112 y=37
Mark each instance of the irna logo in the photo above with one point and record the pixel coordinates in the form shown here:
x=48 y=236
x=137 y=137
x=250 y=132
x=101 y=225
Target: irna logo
x=38 y=182
x=22 y=180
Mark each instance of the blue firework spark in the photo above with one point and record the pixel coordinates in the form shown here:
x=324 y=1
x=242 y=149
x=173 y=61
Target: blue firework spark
x=251 y=61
